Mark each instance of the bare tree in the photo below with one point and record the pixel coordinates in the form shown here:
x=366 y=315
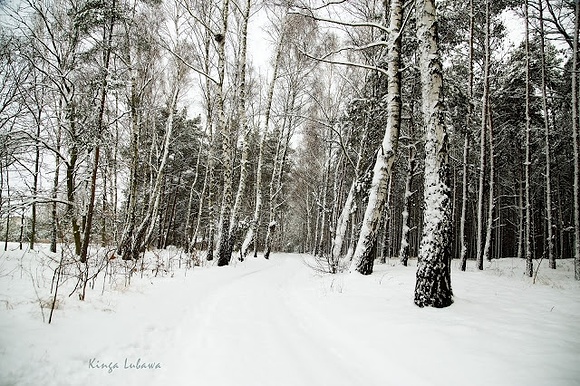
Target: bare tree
x=362 y=259
x=433 y=286
x=528 y=210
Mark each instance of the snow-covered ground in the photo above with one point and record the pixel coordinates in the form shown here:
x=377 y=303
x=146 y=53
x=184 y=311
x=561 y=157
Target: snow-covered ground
x=277 y=322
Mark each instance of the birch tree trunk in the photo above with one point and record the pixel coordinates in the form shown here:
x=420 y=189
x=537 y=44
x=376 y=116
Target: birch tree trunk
x=490 y=208
x=404 y=249
x=276 y=180
x=575 y=139
x=224 y=243
x=464 y=191
x=433 y=286
x=333 y=264
x=189 y=240
x=346 y=212
x=243 y=121
x=252 y=234
x=468 y=124
x=55 y=181
x=131 y=211
x=35 y=179
x=549 y=222
x=363 y=257
x=527 y=232
x=485 y=101
x=154 y=199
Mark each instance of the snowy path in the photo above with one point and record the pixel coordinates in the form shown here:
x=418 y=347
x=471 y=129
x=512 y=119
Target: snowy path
x=276 y=323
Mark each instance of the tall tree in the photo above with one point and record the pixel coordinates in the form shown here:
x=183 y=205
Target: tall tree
x=549 y=221
x=575 y=139
x=226 y=134
x=528 y=128
x=484 y=116
x=242 y=119
x=468 y=125
x=363 y=258
x=433 y=285
x=107 y=44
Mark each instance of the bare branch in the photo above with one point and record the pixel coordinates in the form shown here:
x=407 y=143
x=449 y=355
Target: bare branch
x=339 y=22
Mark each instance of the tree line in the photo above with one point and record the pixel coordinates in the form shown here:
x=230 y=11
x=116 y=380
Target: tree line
x=378 y=129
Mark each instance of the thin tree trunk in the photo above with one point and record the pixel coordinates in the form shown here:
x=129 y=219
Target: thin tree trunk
x=521 y=214
x=156 y=192
x=551 y=255
x=35 y=180
x=276 y=180
x=55 y=181
x=464 y=190
x=345 y=214
x=192 y=191
x=362 y=258
x=224 y=243
x=252 y=234
x=108 y=37
x=491 y=197
x=131 y=210
x=7 y=234
x=406 y=228
x=244 y=127
x=575 y=139
x=527 y=241
x=324 y=226
x=433 y=286
x=70 y=188
x=485 y=101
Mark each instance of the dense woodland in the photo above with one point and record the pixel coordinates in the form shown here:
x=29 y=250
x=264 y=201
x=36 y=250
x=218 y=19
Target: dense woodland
x=376 y=130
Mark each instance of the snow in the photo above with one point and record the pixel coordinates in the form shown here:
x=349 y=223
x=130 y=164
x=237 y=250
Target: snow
x=277 y=322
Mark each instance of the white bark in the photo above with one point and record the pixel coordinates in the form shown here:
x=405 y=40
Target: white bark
x=527 y=233
x=252 y=234
x=345 y=214
x=464 y=190
x=404 y=248
x=342 y=223
x=549 y=222
x=575 y=139
x=362 y=259
x=433 y=286
x=243 y=120
x=279 y=161
x=485 y=101
x=224 y=243
x=156 y=193
x=490 y=207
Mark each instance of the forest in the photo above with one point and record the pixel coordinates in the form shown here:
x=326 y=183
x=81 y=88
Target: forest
x=355 y=131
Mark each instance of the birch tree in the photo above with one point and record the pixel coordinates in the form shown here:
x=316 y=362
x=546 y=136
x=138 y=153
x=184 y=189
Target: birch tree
x=549 y=222
x=252 y=233
x=468 y=123
x=225 y=132
x=362 y=259
x=433 y=285
x=243 y=120
x=575 y=139
x=482 y=136
x=527 y=204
